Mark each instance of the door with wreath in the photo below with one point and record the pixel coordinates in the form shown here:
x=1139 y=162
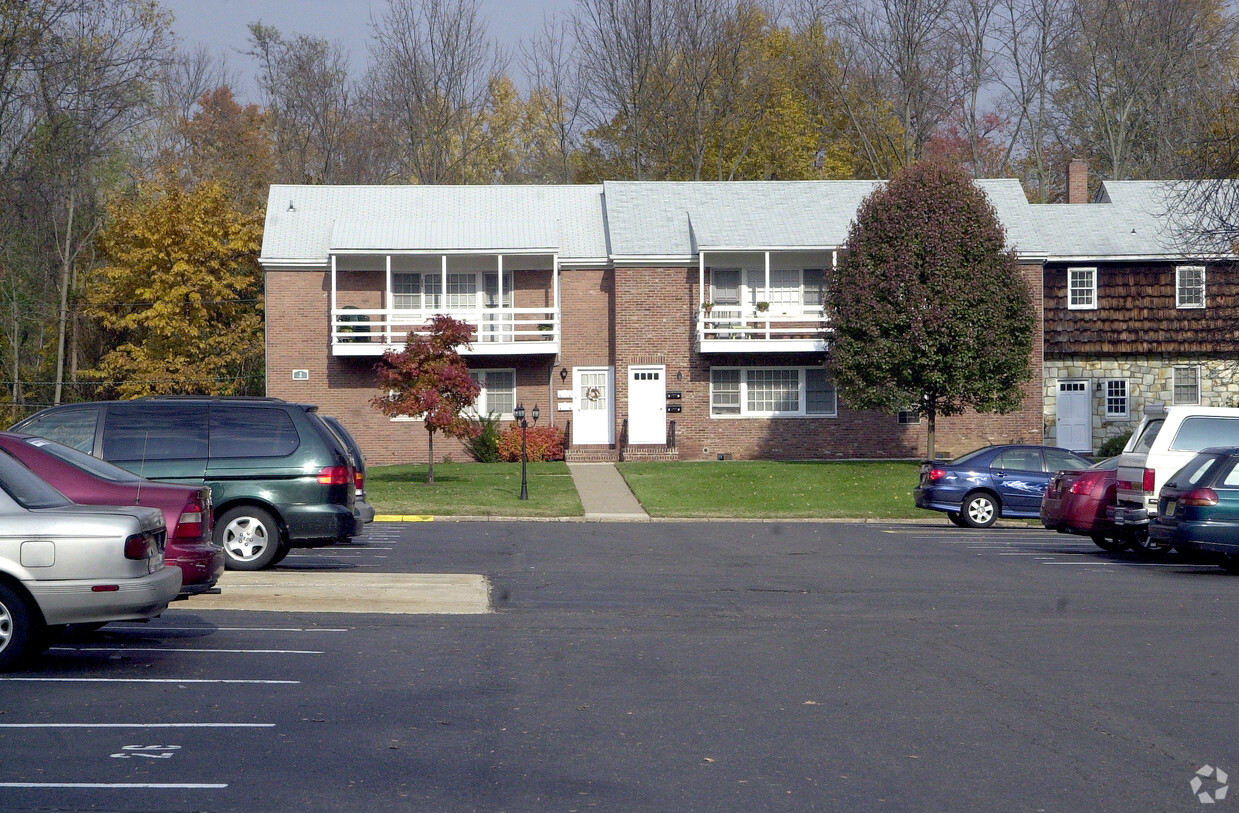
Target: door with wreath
x=593 y=406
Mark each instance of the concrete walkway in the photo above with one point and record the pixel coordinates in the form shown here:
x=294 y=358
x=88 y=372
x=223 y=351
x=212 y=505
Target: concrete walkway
x=604 y=494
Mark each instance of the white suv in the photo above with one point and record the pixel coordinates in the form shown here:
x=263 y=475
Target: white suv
x=1165 y=441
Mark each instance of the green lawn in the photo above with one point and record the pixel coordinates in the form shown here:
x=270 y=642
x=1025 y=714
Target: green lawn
x=741 y=489
x=474 y=489
x=748 y=489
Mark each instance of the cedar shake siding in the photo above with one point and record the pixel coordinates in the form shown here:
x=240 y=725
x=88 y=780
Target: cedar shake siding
x=1136 y=313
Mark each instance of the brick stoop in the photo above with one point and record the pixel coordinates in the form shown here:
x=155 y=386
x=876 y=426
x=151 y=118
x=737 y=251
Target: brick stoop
x=650 y=454
x=592 y=454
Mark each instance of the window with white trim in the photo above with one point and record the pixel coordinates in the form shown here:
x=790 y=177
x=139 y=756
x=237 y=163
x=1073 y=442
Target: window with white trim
x=412 y=290
x=790 y=289
x=1189 y=286
x=1118 y=406
x=909 y=417
x=772 y=392
x=498 y=394
x=1187 y=385
x=1081 y=288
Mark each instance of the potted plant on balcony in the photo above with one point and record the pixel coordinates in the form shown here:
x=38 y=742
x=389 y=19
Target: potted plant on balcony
x=762 y=307
x=706 y=307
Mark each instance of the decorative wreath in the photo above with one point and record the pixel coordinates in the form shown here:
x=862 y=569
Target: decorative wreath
x=593 y=393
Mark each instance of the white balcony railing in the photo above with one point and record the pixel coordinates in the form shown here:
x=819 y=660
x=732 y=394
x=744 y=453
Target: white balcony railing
x=735 y=330
x=496 y=331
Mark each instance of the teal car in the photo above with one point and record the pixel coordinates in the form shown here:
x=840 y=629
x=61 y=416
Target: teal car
x=1198 y=507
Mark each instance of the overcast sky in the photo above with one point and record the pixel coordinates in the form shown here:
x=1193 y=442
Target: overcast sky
x=222 y=25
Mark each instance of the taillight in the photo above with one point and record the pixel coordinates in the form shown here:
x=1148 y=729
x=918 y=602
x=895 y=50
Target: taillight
x=1150 y=480
x=1085 y=483
x=334 y=476
x=192 y=522
x=936 y=474
x=359 y=478
x=1200 y=497
x=141 y=546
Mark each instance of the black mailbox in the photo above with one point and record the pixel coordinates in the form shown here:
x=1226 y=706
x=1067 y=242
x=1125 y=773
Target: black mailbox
x=673 y=408
x=674 y=395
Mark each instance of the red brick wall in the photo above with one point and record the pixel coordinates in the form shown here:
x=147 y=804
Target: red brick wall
x=614 y=317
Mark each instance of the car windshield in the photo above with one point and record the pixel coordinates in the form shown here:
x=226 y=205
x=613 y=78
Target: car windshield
x=1109 y=464
x=25 y=487
x=1196 y=470
x=84 y=462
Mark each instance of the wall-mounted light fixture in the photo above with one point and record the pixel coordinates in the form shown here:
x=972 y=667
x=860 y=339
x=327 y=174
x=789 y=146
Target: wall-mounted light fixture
x=563 y=374
x=679 y=375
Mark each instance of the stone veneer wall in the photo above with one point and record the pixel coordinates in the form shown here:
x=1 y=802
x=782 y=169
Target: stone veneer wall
x=1150 y=379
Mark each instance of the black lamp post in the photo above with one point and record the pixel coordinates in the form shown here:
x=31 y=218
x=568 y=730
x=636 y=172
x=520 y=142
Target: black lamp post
x=519 y=414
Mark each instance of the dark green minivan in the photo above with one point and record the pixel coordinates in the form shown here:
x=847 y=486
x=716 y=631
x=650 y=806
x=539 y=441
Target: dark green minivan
x=279 y=478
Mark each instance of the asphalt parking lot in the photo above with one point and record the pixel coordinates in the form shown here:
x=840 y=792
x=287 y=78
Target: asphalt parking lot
x=659 y=666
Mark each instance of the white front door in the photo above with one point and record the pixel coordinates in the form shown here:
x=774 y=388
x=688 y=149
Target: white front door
x=647 y=404
x=593 y=405
x=1074 y=416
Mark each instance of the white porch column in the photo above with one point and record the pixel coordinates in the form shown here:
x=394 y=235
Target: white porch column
x=331 y=324
x=557 y=315
x=443 y=285
x=388 y=302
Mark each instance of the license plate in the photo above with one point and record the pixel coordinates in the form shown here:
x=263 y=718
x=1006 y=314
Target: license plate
x=1170 y=504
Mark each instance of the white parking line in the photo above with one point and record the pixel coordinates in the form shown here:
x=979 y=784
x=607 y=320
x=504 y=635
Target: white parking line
x=179 y=649
x=119 y=785
x=147 y=630
x=137 y=725
x=149 y=680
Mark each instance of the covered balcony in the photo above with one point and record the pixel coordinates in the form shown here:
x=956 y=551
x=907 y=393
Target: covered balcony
x=510 y=299
x=762 y=301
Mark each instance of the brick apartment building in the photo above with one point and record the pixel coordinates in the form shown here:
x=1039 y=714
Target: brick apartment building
x=648 y=320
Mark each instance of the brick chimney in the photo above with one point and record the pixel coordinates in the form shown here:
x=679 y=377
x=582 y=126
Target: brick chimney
x=1077 y=181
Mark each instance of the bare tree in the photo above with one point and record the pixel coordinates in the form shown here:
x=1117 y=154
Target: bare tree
x=1031 y=30
x=304 y=82
x=624 y=47
x=97 y=75
x=430 y=79
x=550 y=64
x=1128 y=71
x=907 y=43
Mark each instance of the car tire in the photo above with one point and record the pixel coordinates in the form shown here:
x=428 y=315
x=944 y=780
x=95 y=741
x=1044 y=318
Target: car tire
x=249 y=536
x=1110 y=545
x=980 y=510
x=18 y=627
x=956 y=519
x=281 y=553
x=1144 y=544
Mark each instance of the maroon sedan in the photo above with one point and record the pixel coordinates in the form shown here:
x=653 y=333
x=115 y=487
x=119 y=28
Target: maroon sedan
x=1076 y=501
x=89 y=480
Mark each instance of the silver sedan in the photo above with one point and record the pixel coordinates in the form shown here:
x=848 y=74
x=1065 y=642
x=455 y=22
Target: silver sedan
x=62 y=563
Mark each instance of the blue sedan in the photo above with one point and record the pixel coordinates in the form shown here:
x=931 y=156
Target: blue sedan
x=998 y=481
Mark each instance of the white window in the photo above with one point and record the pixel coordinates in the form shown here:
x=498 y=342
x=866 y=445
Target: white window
x=724 y=392
x=819 y=393
x=1117 y=405
x=1081 y=288
x=908 y=417
x=1189 y=286
x=498 y=395
x=772 y=392
x=406 y=291
x=462 y=290
x=791 y=290
x=414 y=291
x=1187 y=385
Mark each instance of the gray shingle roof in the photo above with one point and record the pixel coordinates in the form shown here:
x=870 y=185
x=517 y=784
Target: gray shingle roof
x=326 y=219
